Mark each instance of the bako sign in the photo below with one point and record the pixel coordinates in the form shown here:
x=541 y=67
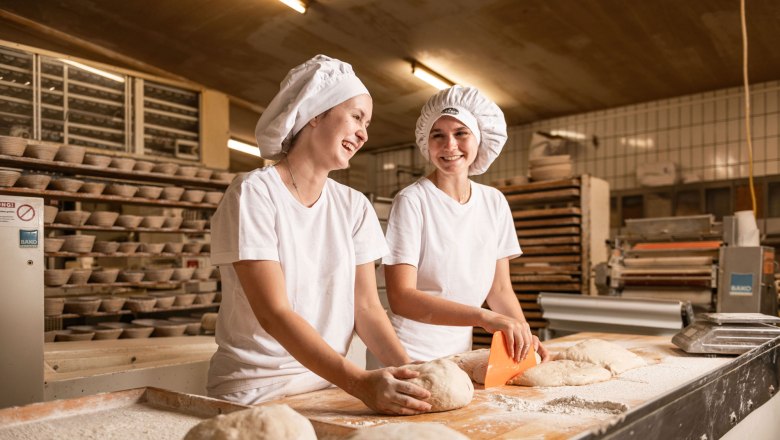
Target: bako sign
x=741 y=284
x=28 y=238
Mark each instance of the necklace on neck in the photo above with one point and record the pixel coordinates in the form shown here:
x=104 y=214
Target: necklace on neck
x=462 y=198
x=292 y=177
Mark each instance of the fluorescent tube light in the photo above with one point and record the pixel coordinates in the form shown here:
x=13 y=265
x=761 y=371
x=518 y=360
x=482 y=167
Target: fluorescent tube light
x=243 y=147
x=298 y=5
x=102 y=73
x=430 y=76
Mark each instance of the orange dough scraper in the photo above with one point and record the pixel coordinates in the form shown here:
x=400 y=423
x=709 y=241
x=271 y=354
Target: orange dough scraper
x=501 y=367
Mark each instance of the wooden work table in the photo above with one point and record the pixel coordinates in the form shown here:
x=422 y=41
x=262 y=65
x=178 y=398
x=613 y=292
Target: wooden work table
x=565 y=412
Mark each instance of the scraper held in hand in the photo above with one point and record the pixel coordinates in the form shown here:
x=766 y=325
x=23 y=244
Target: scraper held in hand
x=501 y=367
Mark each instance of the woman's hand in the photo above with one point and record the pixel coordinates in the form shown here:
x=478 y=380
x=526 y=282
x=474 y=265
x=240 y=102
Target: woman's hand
x=385 y=392
x=517 y=333
x=543 y=353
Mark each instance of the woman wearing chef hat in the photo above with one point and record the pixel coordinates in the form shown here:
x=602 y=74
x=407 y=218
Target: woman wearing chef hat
x=296 y=252
x=451 y=239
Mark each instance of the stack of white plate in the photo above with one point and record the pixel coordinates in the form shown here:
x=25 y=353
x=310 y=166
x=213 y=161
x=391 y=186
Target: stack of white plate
x=551 y=167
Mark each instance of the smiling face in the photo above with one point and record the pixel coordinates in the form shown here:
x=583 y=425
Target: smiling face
x=340 y=132
x=452 y=147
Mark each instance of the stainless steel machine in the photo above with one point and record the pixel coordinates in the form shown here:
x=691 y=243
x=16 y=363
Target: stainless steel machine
x=690 y=259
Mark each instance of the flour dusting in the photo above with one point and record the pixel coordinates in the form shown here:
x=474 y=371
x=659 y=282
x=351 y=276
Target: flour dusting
x=576 y=405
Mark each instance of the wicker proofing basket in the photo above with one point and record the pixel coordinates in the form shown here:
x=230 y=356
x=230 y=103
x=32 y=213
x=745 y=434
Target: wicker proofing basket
x=185 y=171
x=149 y=192
x=112 y=304
x=152 y=248
x=56 y=277
x=80 y=276
x=159 y=275
x=95 y=188
x=140 y=304
x=198 y=225
x=97 y=160
x=73 y=218
x=122 y=163
x=33 y=181
x=49 y=213
x=173 y=247
x=66 y=184
x=132 y=276
x=129 y=221
x=203 y=273
x=172 y=193
x=128 y=247
x=143 y=166
x=204 y=173
x=9 y=177
x=213 y=197
x=183 y=273
x=193 y=195
x=12 y=146
x=192 y=247
x=104 y=276
x=184 y=299
x=153 y=221
x=83 y=305
x=71 y=154
x=51 y=244
x=119 y=189
x=78 y=243
x=172 y=222
x=54 y=306
x=205 y=297
x=104 y=219
x=41 y=151
x=165 y=168
x=105 y=247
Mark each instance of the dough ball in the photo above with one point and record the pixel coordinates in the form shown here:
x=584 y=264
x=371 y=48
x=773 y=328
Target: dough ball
x=406 y=431
x=606 y=354
x=271 y=422
x=561 y=373
x=474 y=363
x=450 y=387
x=209 y=321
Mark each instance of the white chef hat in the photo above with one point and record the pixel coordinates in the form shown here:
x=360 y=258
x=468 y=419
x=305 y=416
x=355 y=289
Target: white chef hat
x=481 y=115
x=308 y=90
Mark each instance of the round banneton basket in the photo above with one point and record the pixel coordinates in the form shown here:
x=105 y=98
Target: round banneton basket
x=193 y=195
x=172 y=193
x=52 y=244
x=71 y=154
x=163 y=327
x=119 y=189
x=128 y=247
x=149 y=192
x=66 y=184
x=82 y=305
x=152 y=248
x=56 y=277
x=129 y=331
x=9 y=177
x=73 y=218
x=172 y=222
x=203 y=273
x=78 y=243
x=223 y=176
x=193 y=324
x=143 y=166
x=12 y=146
x=184 y=299
x=153 y=221
x=49 y=213
x=122 y=163
x=129 y=221
x=112 y=303
x=105 y=219
x=165 y=168
x=140 y=303
x=100 y=333
x=187 y=171
x=80 y=276
x=104 y=276
x=94 y=188
x=97 y=160
x=53 y=306
x=213 y=197
x=33 y=181
x=164 y=300
x=159 y=275
x=183 y=273
x=41 y=151
x=204 y=173
x=105 y=247
x=70 y=335
x=173 y=247
x=198 y=225
x=131 y=276
x=205 y=297
x=193 y=247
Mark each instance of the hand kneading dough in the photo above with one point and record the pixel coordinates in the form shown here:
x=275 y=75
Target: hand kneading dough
x=450 y=387
x=561 y=373
x=606 y=354
x=271 y=422
x=406 y=431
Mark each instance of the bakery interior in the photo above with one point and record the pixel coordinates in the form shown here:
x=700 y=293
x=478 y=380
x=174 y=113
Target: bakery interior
x=643 y=184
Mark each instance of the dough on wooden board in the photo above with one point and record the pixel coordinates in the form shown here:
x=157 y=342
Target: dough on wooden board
x=450 y=387
x=270 y=422
x=606 y=354
x=561 y=373
x=406 y=431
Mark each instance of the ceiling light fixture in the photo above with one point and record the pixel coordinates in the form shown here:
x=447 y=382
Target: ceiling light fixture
x=102 y=73
x=243 y=147
x=298 y=5
x=430 y=76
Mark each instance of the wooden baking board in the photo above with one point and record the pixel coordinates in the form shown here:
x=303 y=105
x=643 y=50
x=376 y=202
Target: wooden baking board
x=337 y=413
x=141 y=413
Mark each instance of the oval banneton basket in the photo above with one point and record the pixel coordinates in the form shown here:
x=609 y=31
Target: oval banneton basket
x=41 y=151
x=129 y=221
x=159 y=275
x=187 y=171
x=166 y=168
x=80 y=276
x=97 y=160
x=94 y=188
x=193 y=195
x=104 y=276
x=82 y=305
x=73 y=218
x=33 y=181
x=56 y=277
x=149 y=192
x=118 y=189
x=128 y=247
x=12 y=146
x=78 y=243
x=122 y=163
x=105 y=219
x=71 y=154
x=172 y=193
x=172 y=222
x=66 y=184
x=143 y=166
x=105 y=247
x=9 y=177
x=153 y=221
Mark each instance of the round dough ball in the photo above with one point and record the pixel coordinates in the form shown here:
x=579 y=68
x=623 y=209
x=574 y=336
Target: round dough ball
x=474 y=363
x=561 y=373
x=606 y=354
x=271 y=422
x=450 y=387
x=405 y=431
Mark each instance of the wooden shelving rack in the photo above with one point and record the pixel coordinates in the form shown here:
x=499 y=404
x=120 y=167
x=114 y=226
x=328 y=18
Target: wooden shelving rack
x=562 y=227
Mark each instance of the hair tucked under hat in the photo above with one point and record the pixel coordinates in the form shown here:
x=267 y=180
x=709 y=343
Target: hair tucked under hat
x=308 y=90
x=481 y=115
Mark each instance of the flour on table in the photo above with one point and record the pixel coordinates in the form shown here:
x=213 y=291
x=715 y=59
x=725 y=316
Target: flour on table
x=561 y=373
x=404 y=431
x=571 y=405
x=450 y=387
x=606 y=354
x=271 y=422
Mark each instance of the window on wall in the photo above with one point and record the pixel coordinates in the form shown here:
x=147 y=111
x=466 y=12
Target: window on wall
x=16 y=93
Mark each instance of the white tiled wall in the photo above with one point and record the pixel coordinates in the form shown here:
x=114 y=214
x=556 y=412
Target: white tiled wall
x=702 y=133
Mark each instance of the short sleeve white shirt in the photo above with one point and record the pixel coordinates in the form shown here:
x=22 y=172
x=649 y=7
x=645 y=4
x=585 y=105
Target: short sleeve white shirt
x=318 y=248
x=454 y=248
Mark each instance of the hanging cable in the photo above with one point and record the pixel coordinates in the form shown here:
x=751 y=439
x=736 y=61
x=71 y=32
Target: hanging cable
x=747 y=105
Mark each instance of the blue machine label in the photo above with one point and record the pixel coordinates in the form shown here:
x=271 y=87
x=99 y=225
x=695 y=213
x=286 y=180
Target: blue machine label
x=28 y=238
x=741 y=284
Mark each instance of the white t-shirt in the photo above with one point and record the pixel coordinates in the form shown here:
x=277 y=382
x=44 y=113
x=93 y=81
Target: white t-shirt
x=454 y=248
x=318 y=249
